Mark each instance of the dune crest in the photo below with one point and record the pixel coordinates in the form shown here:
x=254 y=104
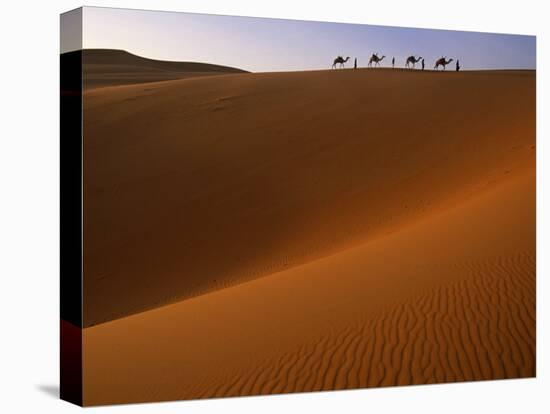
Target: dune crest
x=110 y=67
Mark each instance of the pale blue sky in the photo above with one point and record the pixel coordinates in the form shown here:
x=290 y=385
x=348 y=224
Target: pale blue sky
x=260 y=45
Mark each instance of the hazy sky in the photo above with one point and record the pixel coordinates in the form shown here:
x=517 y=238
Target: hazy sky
x=259 y=44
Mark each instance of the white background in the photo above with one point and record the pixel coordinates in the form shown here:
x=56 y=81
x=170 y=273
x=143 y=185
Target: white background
x=29 y=206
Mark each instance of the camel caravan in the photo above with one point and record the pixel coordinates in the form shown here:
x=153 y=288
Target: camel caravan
x=410 y=62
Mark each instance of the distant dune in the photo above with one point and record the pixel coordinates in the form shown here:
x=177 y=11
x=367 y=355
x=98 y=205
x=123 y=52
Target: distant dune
x=277 y=232
x=108 y=67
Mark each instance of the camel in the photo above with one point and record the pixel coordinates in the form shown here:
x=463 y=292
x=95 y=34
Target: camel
x=413 y=60
x=339 y=60
x=374 y=58
x=443 y=62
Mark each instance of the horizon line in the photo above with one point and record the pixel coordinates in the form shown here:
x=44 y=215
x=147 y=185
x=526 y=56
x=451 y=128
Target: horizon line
x=298 y=70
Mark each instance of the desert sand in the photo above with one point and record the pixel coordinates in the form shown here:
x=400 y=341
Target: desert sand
x=285 y=232
x=110 y=67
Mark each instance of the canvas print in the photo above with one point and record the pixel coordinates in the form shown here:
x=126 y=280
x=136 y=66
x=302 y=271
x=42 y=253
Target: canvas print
x=257 y=206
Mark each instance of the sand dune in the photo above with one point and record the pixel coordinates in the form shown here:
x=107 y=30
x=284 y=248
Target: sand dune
x=195 y=185
x=450 y=297
x=109 y=67
x=286 y=232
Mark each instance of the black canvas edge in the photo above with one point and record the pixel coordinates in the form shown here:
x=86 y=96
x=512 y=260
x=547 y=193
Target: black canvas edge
x=70 y=67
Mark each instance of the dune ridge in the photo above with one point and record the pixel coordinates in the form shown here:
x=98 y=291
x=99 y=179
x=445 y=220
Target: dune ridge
x=111 y=67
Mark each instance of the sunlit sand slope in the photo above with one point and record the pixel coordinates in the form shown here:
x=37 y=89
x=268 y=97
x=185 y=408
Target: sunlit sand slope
x=450 y=297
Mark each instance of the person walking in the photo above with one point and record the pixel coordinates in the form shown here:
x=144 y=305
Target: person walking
x=457 y=65
x=423 y=64
x=393 y=63
x=355 y=64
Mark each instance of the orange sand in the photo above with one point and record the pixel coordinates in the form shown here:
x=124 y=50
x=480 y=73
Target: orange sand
x=331 y=229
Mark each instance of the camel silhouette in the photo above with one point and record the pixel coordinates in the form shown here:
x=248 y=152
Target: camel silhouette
x=442 y=62
x=374 y=58
x=412 y=60
x=339 y=60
